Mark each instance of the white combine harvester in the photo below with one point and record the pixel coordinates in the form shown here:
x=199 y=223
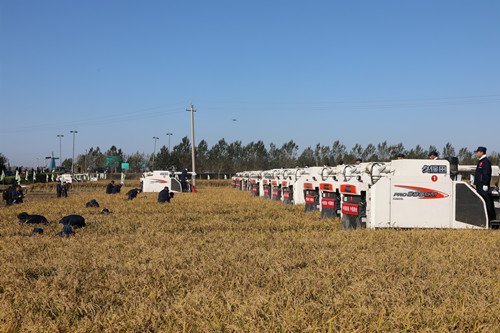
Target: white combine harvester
x=398 y=194
x=155 y=181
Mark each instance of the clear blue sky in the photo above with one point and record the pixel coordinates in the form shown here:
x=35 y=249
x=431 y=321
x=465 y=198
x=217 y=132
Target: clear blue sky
x=121 y=72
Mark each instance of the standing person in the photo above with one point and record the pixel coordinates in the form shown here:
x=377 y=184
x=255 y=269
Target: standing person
x=17 y=195
x=482 y=180
x=184 y=179
x=58 y=189
x=433 y=155
x=109 y=188
x=64 y=190
x=401 y=156
x=359 y=161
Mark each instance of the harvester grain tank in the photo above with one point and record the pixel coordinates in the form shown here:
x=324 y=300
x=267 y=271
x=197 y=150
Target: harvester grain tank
x=155 y=181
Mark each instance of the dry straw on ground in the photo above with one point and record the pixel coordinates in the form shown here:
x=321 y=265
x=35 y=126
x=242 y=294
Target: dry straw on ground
x=219 y=260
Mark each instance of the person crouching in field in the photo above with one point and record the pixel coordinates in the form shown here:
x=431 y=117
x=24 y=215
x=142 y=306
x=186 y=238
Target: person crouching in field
x=7 y=195
x=165 y=195
x=17 y=195
x=133 y=193
x=92 y=203
x=109 y=188
x=116 y=189
x=75 y=221
x=31 y=219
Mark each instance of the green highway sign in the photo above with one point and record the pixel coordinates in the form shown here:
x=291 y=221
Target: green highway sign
x=112 y=161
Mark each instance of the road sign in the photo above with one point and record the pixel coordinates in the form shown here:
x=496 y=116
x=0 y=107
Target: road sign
x=112 y=161
x=125 y=166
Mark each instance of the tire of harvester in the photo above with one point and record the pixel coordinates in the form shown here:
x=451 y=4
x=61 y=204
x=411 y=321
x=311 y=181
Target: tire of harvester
x=358 y=222
x=346 y=224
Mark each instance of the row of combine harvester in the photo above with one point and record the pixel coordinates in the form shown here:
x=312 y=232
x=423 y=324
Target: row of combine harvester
x=403 y=193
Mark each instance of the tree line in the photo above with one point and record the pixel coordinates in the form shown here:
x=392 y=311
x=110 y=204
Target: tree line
x=230 y=157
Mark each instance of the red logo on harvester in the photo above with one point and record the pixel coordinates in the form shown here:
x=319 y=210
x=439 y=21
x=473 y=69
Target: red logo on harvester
x=328 y=203
x=420 y=193
x=310 y=199
x=350 y=209
x=434 y=178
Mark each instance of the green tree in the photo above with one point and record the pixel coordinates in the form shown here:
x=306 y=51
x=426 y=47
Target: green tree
x=164 y=160
x=448 y=150
x=338 y=151
x=136 y=161
x=3 y=162
x=218 y=157
x=182 y=154
x=67 y=164
x=307 y=158
x=202 y=156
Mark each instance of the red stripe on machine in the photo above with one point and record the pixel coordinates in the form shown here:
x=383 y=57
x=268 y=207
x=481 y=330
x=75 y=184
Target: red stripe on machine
x=310 y=199
x=276 y=193
x=328 y=203
x=161 y=181
x=254 y=189
x=350 y=209
x=286 y=195
x=266 y=190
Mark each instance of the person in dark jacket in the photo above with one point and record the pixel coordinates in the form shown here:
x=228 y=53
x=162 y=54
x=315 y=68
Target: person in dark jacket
x=109 y=188
x=184 y=179
x=67 y=231
x=133 y=193
x=17 y=195
x=36 y=232
x=482 y=180
x=92 y=203
x=75 y=221
x=31 y=219
x=164 y=195
x=7 y=195
x=62 y=190
x=58 y=189
x=116 y=189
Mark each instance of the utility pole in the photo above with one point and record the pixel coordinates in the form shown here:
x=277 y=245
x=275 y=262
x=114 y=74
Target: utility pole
x=73 y=159
x=85 y=163
x=192 y=142
x=154 y=150
x=60 y=136
x=169 y=135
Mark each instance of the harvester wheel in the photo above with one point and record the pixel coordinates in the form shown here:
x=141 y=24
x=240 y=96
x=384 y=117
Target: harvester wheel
x=346 y=224
x=358 y=222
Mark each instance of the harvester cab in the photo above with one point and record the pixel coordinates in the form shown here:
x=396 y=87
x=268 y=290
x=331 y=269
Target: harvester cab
x=425 y=194
x=329 y=191
x=155 y=181
x=266 y=184
x=308 y=179
x=287 y=185
x=355 y=192
x=237 y=180
x=255 y=180
x=245 y=186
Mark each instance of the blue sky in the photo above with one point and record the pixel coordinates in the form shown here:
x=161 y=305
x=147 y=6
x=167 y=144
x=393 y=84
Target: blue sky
x=120 y=72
